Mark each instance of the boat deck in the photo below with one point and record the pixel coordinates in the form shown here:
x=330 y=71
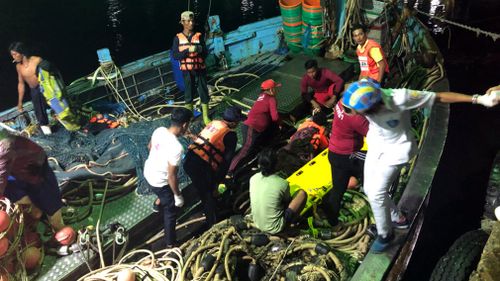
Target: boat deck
x=134 y=212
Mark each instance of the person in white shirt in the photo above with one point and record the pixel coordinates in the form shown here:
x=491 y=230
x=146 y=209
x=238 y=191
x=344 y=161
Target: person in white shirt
x=391 y=142
x=160 y=169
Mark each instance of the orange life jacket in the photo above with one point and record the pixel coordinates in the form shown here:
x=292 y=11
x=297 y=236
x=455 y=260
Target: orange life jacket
x=110 y=123
x=193 y=61
x=209 y=144
x=316 y=133
x=367 y=64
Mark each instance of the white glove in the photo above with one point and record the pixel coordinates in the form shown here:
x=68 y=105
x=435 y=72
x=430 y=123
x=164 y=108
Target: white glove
x=489 y=100
x=179 y=200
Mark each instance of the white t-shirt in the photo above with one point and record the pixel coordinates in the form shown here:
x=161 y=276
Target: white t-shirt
x=165 y=150
x=389 y=137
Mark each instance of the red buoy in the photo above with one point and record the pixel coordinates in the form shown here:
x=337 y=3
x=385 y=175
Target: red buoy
x=31 y=257
x=4 y=221
x=32 y=239
x=65 y=236
x=4 y=246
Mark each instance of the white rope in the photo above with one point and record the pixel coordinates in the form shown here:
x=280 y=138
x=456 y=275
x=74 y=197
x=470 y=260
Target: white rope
x=478 y=31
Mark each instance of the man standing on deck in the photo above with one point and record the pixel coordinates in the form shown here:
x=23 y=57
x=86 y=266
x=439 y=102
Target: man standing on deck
x=372 y=61
x=190 y=49
x=26 y=66
x=27 y=179
x=208 y=158
x=346 y=159
x=391 y=142
x=325 y=85
x=160 y=169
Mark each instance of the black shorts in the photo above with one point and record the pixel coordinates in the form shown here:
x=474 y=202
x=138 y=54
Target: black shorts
x=44 y=195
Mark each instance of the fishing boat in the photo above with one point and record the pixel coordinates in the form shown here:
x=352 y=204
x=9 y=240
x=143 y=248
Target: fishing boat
x=100 y=174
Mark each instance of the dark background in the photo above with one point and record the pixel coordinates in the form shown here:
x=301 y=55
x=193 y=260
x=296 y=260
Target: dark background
x=68 y=33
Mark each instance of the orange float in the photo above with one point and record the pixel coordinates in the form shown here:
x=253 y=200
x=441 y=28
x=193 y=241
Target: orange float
x=4 y=221
x=65 y=236
x=32 y=239
x=31 y=257
x=4 y=246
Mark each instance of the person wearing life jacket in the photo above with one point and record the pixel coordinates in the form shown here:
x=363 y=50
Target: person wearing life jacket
x=319 y=89
x=313 y=129
x=371 y=57
x=208 y=158
x=189 y=48
x=27 y=179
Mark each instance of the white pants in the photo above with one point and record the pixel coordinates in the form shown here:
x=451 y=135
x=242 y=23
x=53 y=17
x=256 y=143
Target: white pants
x=378 y=177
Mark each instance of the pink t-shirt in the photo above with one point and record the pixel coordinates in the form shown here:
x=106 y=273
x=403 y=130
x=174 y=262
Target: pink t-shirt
x=347 y=132
x=263 y=112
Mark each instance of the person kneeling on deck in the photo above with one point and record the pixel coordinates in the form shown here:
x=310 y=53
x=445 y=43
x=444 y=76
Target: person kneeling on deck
x=273 y=208
x=160 y=169
x=326 y=86
x=391 y=143
x=261 y=122
x=190 y=49
x=313 y=130
x=27 y=179
x=208 y=158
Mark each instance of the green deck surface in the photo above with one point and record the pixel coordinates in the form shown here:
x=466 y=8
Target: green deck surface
x=134 y=211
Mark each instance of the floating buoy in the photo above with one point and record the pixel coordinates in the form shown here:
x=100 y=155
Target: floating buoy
x=31 y=257
x=497 y=212
x=125 y=275
x=12 y=232
x=4 y=246
x=65 y=236
x=32 y=239
x=353 y=183
x=4 y=221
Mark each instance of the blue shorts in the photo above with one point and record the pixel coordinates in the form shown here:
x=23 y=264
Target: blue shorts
x=44 y=195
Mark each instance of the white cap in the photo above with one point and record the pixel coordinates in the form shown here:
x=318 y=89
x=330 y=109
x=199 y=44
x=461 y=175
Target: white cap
x=187 y=15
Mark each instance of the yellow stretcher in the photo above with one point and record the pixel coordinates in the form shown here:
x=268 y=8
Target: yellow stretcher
x=315 y=178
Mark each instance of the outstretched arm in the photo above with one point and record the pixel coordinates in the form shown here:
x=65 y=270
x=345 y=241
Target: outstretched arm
x=20 y=90
x=488 y=100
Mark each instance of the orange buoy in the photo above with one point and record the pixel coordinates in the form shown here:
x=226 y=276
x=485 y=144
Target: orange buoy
x=12 y=232
x=31 y=257
x=4 y=221
x=353 y=183
x=4 y=246
x=32 y=239
x=65 y=236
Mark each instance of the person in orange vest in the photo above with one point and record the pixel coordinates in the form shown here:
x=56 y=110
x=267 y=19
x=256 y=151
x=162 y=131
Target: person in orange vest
x=313 y=129
x=190 y=49
x=208 y=158
x=372 y=60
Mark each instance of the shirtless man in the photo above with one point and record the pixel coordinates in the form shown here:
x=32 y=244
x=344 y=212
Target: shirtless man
x=26 y=66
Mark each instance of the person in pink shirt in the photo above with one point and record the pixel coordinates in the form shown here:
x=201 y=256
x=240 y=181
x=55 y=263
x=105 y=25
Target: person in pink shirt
x=325 y=85
x=261 y=118
x=344 y=155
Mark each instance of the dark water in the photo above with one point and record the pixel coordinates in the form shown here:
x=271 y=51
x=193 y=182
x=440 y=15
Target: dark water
x=68 y=32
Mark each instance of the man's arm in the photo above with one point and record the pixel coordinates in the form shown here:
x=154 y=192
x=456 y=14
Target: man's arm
x=273 y=108
x=488 y=100
x=172 y=179
x=336 y=80
x=381 y=70
x=20 y=89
